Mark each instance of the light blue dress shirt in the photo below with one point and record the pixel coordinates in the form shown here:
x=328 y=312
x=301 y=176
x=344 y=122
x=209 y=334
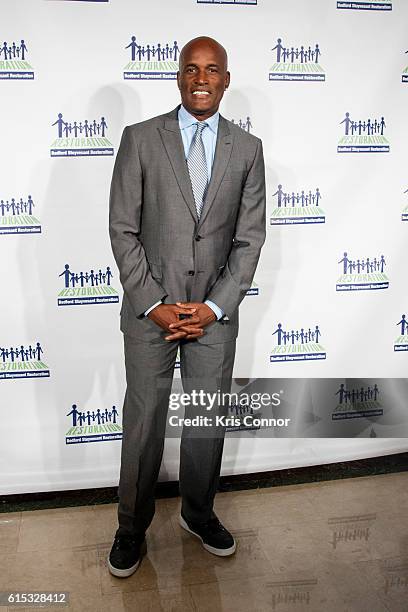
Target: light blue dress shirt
x=187 y=125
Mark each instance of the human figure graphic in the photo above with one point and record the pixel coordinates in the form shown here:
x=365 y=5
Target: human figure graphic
x=176 y=51
x=404 y=325
x=108 y=275
x=103 y=126
x=279 y=331
x=5 y=50
x=248 y=124
x=382 y=263
x=382 y=126
x=345 y=261
x=38 y=351
x=23 y=49
x=279 y=193
x=133 y=46
x=347 y=122
x=60 y=123
x=318 y=333
x=74 y=413
x=279 y=48
x=114 y=414
x=317 y=54
x=318 y=196
x=341 y=393
x=67 y=275
x=67 y=129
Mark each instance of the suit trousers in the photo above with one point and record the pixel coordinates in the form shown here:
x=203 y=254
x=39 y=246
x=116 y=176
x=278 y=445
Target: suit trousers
x=205 y=368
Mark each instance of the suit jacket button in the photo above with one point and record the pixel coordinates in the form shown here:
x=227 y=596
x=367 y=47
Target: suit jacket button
x=198 y=238
x=190 y=272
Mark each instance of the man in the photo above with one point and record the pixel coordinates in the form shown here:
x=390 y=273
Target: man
x=187 y=223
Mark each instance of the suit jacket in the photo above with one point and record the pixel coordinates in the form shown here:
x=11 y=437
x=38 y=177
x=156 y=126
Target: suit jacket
x=161 y=248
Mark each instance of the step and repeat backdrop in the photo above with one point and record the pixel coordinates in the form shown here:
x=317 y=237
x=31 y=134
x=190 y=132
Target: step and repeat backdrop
x=324 y=84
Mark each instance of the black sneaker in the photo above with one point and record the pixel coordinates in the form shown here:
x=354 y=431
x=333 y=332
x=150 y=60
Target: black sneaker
x=213 y=535
x=126 y=555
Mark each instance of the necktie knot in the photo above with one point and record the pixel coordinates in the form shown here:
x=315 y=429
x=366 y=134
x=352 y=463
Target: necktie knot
x=200 y=127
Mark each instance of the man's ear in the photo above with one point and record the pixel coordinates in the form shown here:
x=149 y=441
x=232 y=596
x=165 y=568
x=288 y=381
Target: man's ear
x=227 y=79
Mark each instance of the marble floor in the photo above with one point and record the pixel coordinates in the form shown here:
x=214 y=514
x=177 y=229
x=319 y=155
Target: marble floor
x=338 y=546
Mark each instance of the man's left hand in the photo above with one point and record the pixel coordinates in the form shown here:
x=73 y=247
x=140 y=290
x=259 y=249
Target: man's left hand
x=192 y=325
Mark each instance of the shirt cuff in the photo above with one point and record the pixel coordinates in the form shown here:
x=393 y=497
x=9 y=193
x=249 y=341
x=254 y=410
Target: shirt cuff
x=146 y=312
x=217 y=310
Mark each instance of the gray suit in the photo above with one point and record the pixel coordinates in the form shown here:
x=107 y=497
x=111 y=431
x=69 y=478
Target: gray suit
x=163 y=251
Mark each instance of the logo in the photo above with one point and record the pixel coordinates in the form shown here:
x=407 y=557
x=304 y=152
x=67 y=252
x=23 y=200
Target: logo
x=362 y=273
x=351 y=529
x=245 y=124
x=93 y=287
x=401 y=343
x=405 y=74
x=292 y=208
x=404 y=215
x=357 y=403
x=16 y=217
x=23 y=362
x=296 y=64
x=152 y=61
x=297 y=345
x=95 y=426
x=253 y=290
x=80 y=138
x=363 y=136
x=366 y=5
x=248 y=2
x=13 y=62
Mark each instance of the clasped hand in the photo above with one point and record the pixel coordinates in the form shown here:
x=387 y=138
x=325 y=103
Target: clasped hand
x=167 y=317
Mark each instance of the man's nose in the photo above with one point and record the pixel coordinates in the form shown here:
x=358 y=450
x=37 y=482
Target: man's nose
x=201 y=76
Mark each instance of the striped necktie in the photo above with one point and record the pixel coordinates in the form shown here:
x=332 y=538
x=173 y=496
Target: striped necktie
x=197 y=167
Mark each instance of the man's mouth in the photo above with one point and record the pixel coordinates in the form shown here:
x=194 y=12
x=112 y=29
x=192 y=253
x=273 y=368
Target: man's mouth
x=200 y=92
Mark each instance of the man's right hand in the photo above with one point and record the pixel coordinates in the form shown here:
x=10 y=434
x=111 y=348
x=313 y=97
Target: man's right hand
x=165 y=314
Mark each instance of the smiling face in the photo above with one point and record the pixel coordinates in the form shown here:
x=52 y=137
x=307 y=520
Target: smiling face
x=203 y=77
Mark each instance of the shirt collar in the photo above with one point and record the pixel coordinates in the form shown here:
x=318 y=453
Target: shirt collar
x=186 y=119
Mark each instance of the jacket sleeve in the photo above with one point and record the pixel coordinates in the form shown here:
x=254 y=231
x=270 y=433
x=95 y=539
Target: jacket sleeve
x=250 y=232
x=125 y=211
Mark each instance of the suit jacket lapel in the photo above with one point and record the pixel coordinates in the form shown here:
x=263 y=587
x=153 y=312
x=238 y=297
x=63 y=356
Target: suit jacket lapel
x=221 y=160
x=173 y=144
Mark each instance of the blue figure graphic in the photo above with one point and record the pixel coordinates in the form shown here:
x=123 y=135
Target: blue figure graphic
x=60 y=123
x=317 y=333
x=345 y=261
x=404 y=325
x=347 y=123
x=133 y=45
x=74 y=413
x=103 y=126
x=175 y=50
x=67 y=275
x=280 y=333
x=23 y=49
x=279 y=48
x=114 y=413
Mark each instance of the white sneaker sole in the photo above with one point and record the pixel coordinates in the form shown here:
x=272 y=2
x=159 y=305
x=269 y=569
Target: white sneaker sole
x=125 y=573
x=220 y=552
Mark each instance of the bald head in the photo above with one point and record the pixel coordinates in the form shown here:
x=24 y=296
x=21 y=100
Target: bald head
x=203 y=76
x=202 y=42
